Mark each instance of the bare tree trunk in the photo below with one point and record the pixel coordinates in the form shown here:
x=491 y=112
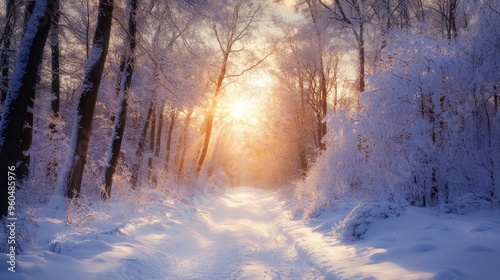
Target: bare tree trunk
x=182 y=146
x=242 y=18
x=361 y=57
x=323 y=95
x=300 y=128
x=357 y=26
x=87 y=29
x=158 y=133
x=27 y=135
x=121 y=112
x=7 y=52
x=452 y=26
x=119 y=76
x=209 y=121
x=496 y=97
x=173 y=116
x=138 y=154
x=16 y=103
x=490 y=152
x=152 y=134
x=55 y=85
x=82 y=130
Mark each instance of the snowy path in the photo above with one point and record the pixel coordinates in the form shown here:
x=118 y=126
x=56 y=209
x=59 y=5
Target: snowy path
x=234 y=236
x=246 y=233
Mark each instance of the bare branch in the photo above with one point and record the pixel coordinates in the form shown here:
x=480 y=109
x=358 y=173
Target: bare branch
x=251 y=67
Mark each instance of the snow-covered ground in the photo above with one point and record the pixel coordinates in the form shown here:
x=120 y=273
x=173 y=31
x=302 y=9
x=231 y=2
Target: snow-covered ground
x=247 y=233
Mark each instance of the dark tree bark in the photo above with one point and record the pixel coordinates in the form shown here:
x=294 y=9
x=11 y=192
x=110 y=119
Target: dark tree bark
x=158 y=134
x=55 y=82
x=209 y=119
x=82 y=129
x=16 y=103
x=119 y=77
x=7 y=52
x=27 y=135
x=138 y=154
x=173 y=117
x=121 y=113
x=55 y=85
x=182 y=147
x=152 y=146
x=152 y=131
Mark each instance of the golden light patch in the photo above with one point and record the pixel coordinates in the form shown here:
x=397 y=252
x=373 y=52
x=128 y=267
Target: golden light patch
x=240 y=109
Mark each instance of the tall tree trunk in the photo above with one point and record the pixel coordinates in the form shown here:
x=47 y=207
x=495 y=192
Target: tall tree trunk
x=7 y=52
x=491 y=152
x=119 y=77
x=121 y=112
x=301 y=133
x=357 y=27
x=323 y=95
x=55 y=84
x=182 y=147
x=27 y=135
x=27 y=138
x=451 y=24
x=209 y=120
x=496 y=97
x=152 y=146
x=158 y=133
x=82 y=129
x=138 y=154
x=173 y=116
x=361 y=57
x=16 y=103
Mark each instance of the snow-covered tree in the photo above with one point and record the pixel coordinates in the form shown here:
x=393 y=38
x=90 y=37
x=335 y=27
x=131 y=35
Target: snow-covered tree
x=71 y=178
x=22 y=82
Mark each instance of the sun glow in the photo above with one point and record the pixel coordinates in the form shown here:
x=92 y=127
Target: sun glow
x=240 y=109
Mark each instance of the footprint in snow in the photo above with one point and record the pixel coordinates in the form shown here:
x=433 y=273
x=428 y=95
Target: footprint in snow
x=481 y=228
x=477 y=248
x=422 y=248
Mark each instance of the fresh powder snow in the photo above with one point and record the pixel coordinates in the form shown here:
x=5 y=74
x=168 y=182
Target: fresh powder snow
x=250 y=233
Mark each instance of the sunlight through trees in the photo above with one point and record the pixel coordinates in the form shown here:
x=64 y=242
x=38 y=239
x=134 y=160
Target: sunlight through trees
x=397 y=99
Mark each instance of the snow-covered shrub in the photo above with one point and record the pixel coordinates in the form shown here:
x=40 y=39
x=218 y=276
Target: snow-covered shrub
x=339 y=170
x=428 y=129
x=468 y=203
x=359 y=220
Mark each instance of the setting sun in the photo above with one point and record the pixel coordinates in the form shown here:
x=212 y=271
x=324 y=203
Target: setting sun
x=239 y=109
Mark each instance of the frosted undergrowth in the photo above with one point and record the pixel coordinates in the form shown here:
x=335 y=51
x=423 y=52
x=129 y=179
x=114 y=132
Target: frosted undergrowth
x=356 y=224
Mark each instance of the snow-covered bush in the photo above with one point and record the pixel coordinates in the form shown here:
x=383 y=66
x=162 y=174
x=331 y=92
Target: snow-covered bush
x=469 y=202
x=359 y=220
x=428 y=129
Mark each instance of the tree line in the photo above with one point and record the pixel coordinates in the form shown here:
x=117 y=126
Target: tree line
x=390 y=97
